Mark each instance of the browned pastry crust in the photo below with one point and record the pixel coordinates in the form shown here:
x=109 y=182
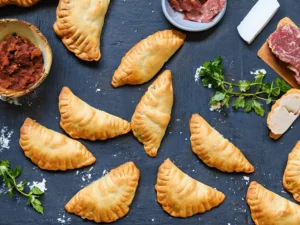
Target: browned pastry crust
x=79 y=24
x=181 y=195
x=214 y=150
x=50 y=150
x=21 y=3
x=153 y=113
x=147 y=57
x=81 y=120
x=291 y=177
x=107 y=199
x=268 y=208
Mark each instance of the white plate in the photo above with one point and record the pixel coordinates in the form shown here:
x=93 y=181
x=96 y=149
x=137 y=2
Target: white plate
x=176 y=18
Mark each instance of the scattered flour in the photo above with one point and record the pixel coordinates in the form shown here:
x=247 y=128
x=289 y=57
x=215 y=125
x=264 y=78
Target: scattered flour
x=63 y=219
x=39 y=185
x=5 y=136
x=153 y=220
x=98 y=90
x=104 y=172
x=197 y=76
x=256 y=72
x=85 y=175
x=216 y=107
x=247 y=179
x=209 y=85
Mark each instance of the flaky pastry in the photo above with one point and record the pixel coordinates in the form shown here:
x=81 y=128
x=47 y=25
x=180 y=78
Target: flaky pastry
x=268 y=208
x=50 y=150
x=79 y=24
x=181 y=195
x=81 y=120
x=214 y=150
x=147 y=57
x=153 y=113
x=291 y=177
x=107 y=199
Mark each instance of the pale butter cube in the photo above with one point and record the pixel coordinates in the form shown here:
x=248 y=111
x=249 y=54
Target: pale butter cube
x=258 y=17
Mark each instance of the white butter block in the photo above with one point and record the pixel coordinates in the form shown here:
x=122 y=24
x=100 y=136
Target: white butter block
x=258 y=17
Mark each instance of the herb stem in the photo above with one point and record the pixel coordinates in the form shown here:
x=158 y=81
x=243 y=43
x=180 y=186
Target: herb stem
x=246 y=94
x=16 y=186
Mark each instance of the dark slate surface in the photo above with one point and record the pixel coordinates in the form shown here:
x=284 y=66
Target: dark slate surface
x=127 y=22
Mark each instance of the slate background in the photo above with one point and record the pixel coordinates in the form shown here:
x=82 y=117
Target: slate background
x=127 y=22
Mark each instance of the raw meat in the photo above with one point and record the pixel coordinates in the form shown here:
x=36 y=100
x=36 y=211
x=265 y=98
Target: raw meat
x=198 y=10
x=285 y=44
x=210 y=9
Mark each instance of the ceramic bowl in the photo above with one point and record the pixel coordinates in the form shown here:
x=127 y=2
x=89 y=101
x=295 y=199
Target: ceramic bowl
x=176 y=18
x=29 y=31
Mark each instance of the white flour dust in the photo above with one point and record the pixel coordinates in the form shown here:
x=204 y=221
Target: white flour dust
x=5 y=136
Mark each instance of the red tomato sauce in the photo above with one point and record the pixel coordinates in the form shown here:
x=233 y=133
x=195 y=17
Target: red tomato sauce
x=21 y=63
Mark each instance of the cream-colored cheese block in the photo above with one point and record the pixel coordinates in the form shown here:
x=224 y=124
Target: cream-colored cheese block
x=258 y=17
x=282 y=120
x=284 y=113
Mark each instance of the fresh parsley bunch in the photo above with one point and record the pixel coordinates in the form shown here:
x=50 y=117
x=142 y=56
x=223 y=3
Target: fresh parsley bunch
x=247 y=94
x=9 y=179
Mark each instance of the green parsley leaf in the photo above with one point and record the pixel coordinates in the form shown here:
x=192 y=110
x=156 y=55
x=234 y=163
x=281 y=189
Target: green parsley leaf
x=248 y=106
x=239 y=102
x=212 y=76
x=9 y=176
x=36 y=191
x=225 y=101
x=269 y=100
x=244 y=85
x=219 y=96
x=284 y=87
x=258 y=108
x=16 y=172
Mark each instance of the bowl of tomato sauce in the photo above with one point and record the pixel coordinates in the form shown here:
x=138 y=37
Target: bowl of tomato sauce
x=25 y=58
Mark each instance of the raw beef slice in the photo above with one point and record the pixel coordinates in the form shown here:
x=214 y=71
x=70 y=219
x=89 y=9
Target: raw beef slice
x=285 y=44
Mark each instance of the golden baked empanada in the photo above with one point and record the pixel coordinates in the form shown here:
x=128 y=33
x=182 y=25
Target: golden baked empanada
x=214 y=150
x=268 y=208
x=81 y=120
x=21 y=3
x=50 y=150
x=79 y=24
x=107 y=199
x=147 y=57
x=291 y=177
x=181 y=195
x=153 y=113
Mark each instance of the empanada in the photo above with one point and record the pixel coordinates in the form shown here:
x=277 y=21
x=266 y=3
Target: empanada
x=107 y=199
x=153 y=113
x=81 y=120
x=147 y=57
x=214 y=150
x=50 y=150
x=79 y=24
x=181 y=195
x=291 y=177
x=21 y=3
x=268 y=208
